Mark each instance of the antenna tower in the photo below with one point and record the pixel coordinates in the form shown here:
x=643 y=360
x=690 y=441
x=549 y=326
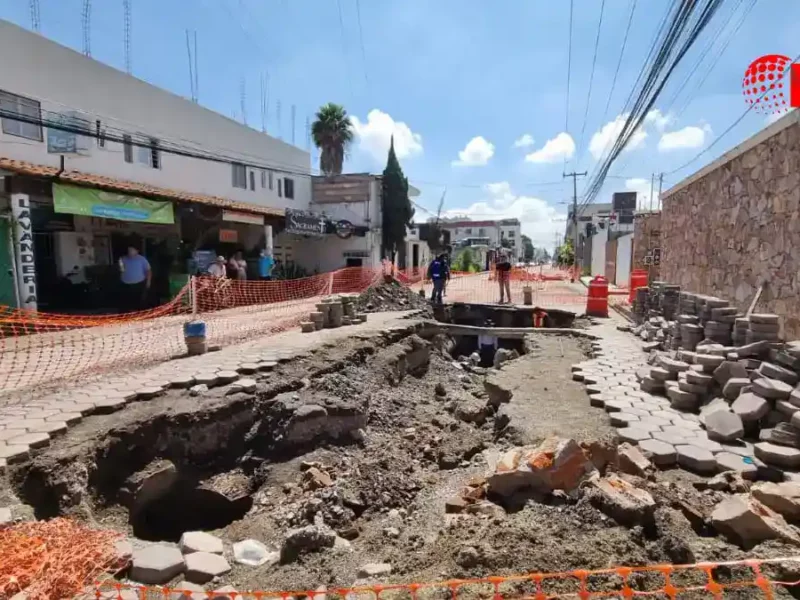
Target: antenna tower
x=126 y=9
x=243 y=100
x=86 y=23
x=192 y=86
x=294 y=115
x=36 y=22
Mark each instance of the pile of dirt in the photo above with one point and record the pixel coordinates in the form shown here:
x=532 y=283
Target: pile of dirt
x=391 y=297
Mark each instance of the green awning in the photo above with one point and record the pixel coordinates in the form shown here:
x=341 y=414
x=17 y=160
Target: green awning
x=91 y=202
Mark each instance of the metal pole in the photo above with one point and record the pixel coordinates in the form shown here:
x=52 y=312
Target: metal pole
x=660 y=185
x=652 y=184
x=575 y=176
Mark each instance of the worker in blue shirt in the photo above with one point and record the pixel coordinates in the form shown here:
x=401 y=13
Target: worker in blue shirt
x=439 y=273
x=265 y=264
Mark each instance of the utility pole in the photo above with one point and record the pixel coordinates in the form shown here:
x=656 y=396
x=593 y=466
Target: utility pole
x=575 y=176
x=652 y=186
x=660 y=185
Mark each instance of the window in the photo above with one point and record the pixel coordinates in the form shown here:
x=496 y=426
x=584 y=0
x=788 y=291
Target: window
x=481 y=232
x=252 y=181
x=263 y=179
x=468 y=230
x=30 y=109
x=511 y=234
x=149 y=155
x=239 y=176
x=280 y=188
x=100 y=134
x=271 y=181
x=127 y=148
x=288 y=188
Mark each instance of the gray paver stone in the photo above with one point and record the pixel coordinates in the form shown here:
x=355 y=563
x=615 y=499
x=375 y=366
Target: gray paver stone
x=764 y=318
x=780 y=456
x=771 y=388
x=156 y=564
x=783 y=498
x=693 y=388
x=207 y=379
x=622 y=419
x=701 y=379
x=659 y=452
x=773 y=371
x=104 y=406
x=66 y=417
x=633 y=434
x=696 y=459
x=683 y=400
x=148 y=392
x=728 y=370
x=227 y=376
x=14 y=453
x=51 y=428
x=706 y=444
x=671 y=365
x=724 y=426
x=734 y=386
x=202 y=567
x=727 y=461
x=617 y=405
x=750 y=407
x=661 y=374
x=32 y=440
x=181 y=381
x=671 y=438
x=200 y=541
x=785 y=408
x=248 y=367
x=709 y=361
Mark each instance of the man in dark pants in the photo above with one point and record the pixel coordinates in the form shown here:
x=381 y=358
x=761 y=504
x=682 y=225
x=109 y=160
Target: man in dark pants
x=438 y=273
x=135 y=275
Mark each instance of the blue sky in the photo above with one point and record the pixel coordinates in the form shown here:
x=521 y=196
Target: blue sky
x=475 y=92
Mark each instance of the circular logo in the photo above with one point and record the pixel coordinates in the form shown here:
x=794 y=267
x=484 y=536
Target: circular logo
x=344 y=229
x=762 y=84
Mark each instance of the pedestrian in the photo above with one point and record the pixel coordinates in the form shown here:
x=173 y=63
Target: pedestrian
x=487 y=345
x=217 y=268
x=237 y=266
x=502 y=267
x=265 y=264
x=135 y=275
x=438 y=273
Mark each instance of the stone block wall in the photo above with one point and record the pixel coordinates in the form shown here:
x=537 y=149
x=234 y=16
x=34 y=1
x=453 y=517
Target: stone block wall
x=735 y=226
x=646 y=236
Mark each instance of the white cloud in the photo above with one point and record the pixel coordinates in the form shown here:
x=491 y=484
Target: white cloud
x=561 y=147
x=540 y=221
x=688 y=137
x=525 y=141
x=657 y=119
x=642 y=188
x=476 y=153
x=603 y=140
x=375 y=134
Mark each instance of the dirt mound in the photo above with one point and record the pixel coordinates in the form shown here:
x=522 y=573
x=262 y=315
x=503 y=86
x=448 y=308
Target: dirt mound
x=389 y=297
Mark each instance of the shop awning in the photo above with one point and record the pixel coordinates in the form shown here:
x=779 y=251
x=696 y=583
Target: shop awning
x=90 y=180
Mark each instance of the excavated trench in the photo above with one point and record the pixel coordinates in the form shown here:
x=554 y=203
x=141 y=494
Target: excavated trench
x=477 y=315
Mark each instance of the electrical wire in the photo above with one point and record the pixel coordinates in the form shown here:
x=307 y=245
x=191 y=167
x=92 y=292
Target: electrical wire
x=569 y=69
x=619 y=62
x=361 y=40
x=344 y=47
x=591 y=82
x=732 y=125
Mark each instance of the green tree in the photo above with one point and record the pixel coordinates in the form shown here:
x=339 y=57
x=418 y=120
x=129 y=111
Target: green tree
x=396 y=206
x=332 y=132
x=465 y=262
x=527 y=248
x=566 y=255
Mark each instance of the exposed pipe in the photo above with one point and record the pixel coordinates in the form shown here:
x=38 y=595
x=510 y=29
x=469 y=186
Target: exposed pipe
x=60 y=168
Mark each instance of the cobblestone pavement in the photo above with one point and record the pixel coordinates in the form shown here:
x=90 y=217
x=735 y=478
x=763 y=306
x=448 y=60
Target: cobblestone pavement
x=28 y=424
x=667 y=435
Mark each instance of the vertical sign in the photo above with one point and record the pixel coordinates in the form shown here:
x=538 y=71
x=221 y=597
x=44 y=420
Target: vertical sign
x=23 y=241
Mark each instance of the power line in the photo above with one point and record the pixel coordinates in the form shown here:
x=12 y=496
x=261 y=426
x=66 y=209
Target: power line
x=734 y=124
x=619 y=62
x=569 y=67
x=361 y=40
x=344 y=47
x=591 y=81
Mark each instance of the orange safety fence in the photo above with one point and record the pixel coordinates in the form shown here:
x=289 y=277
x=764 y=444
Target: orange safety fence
x=41 y=349
x=756 y=578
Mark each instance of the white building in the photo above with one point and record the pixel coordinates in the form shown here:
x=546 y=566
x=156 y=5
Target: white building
x=490 y=233
x=68 y=120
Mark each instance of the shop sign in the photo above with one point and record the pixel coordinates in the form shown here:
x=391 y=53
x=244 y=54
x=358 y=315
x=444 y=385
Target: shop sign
x=92 y=202
x=68 y=142
x=344 y=229
x=303 y=223
x=228 y=236
x=23 y=238
x=235 y=216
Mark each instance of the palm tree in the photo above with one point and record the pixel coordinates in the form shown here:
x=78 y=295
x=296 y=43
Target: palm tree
x=332 y=133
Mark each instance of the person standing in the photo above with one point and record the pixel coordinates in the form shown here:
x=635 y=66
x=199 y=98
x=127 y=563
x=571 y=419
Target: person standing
x=237 y=266
x=503 y=269
x=217 y=268
x=438 y=273
x=265 y=264
x=135 y=276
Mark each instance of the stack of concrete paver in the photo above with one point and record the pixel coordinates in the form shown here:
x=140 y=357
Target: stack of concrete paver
x=716 y=408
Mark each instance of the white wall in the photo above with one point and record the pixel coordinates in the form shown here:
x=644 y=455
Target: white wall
x=624 y=257
x=63 y=80
x=598 y=242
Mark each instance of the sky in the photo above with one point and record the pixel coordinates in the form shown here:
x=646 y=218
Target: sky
x=475 y=93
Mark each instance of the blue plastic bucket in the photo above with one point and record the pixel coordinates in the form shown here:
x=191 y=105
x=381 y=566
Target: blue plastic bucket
x=194 y=329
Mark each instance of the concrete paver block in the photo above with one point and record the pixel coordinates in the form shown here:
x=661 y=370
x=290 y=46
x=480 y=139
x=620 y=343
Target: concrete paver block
x=659 y=452
x=157 y=564
x=622 y=419
x=227 y=376
x=14 y=453
x=202 y=567
x=727 y=461
x=200 y=541
x=181 y=381
x=50 y=427
x=633 y=434
x=617 y=405
x=32 y=440
x=104 y=406
x=683 y=400
x=773 y=371
x=70 y=418
x=773 y=389
x=671 y=438
x=750 y=407
x=724 y=426
x=734 y=386
x=781 y=456
x=696 y=459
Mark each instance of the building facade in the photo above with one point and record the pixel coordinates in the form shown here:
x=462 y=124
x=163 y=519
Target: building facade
x=98 y=160
x=490 y=235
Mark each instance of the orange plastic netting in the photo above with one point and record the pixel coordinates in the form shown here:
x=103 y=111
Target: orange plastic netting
x=39 y=348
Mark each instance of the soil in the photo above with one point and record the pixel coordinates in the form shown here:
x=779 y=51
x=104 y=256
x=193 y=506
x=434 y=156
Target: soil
x=395 y=451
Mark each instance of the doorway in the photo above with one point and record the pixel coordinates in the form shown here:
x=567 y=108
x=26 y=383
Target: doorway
x=354 y=262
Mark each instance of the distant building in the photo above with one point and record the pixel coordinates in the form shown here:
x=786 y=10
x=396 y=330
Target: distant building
x=487 y=234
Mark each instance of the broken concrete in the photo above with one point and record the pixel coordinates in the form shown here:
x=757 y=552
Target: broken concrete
x=156 y=564
x=747 y=521
x=202 y=567
x=783 y=498
x=632 y=461
x=310 y=538
x=750 y=407
x=622 y=501
x=200 y=541
x=724 y=426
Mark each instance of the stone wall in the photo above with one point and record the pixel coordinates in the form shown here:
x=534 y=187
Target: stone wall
x=646 y=236
x=735 y=226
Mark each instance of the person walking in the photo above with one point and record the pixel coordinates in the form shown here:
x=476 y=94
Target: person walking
x=438 y=273
x=265 y=264
x=237 y=266
x=502 y=267
x=135 y=275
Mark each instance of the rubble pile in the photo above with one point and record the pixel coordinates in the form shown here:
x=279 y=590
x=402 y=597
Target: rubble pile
x=390 y=297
